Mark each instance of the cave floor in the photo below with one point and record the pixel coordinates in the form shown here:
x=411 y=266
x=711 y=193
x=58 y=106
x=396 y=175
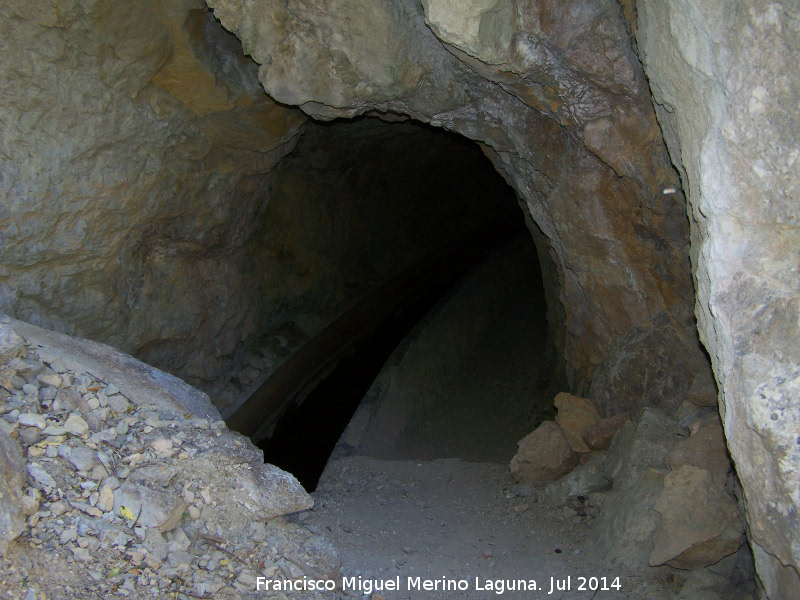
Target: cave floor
x=443 y=504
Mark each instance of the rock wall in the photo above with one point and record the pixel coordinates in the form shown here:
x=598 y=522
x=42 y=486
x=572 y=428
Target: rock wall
x=556 y=95
x=723 y=76
x=134 y=151
x=145 y=202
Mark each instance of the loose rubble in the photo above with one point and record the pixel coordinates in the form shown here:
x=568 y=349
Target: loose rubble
x=102 y=496
x=660 y=491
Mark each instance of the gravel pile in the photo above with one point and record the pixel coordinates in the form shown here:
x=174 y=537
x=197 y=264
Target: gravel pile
x=104 y=496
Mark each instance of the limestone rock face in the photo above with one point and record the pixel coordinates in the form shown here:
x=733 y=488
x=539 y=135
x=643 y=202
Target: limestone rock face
x=724 y=85
x=574 y=415
x=700 y=524
x=543 y=456
x=557 y=98
x=136 y=148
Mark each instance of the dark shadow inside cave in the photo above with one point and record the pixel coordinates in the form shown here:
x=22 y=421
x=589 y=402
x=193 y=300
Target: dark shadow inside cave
x=424 y=208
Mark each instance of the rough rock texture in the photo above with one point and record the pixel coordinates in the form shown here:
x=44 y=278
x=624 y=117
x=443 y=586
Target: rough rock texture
x=704 y=448
x=599 y=435
x=670 y=503
x=544 y=455
x=574 y=415
x=582 y=481
x=141 y=500
x=12 y=479
x=143 y=208
x=628 y=521
x=640 y=446
x=558 y=99
x=723 y=76
x=10 y=344
x=653 y=366
x=134 y=148
x=700 y=525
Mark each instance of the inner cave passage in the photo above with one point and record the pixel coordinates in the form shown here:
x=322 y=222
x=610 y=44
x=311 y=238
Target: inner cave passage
x=442 y=280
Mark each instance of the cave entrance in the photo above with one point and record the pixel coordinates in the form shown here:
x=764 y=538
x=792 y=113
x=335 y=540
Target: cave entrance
x=407 y=211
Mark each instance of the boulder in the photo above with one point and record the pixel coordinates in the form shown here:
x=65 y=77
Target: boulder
x=704 y=448
x=598 y=435
x=10 y=344
x=543 y=456
x=700 y=523
x=623 y=532
x=582 y=481
x=641 y=446
x=147 y=498
x=703 y=391
x=574 y=416
x=12 y=480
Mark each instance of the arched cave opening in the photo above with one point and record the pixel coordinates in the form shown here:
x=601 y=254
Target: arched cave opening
x=424 y=208
x=160 y=202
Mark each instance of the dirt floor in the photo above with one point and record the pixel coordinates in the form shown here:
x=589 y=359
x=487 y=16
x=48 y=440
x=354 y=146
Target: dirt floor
x=439 y=504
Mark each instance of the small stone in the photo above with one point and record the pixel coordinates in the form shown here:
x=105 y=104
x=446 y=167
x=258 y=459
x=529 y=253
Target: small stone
x=105 y=501
x=117 y=403
x=82 y=458
x=57 y=509
x=143 y=497
x=700 y=522
x=76 y=425
x=88 y=509
x=69 y=535
x=162 y=446
x=30 y=502
x=54 y=430
x=81 y=555
x=29 y=436
x=111 y=389
x=194 y=513
x=106 y=435
x=32 y=420
x=30 y=389
x=50 y=379
x=121 y=428
x=58 y=366
x=111 y=482
x=98 y=473
x=34 y=451
x=41 y=476
x=47 y=395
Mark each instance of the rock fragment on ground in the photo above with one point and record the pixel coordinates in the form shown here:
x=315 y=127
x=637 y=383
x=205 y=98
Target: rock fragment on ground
x=575 y=414
x=700 y=522
x=598 y=435
x=543 y=456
